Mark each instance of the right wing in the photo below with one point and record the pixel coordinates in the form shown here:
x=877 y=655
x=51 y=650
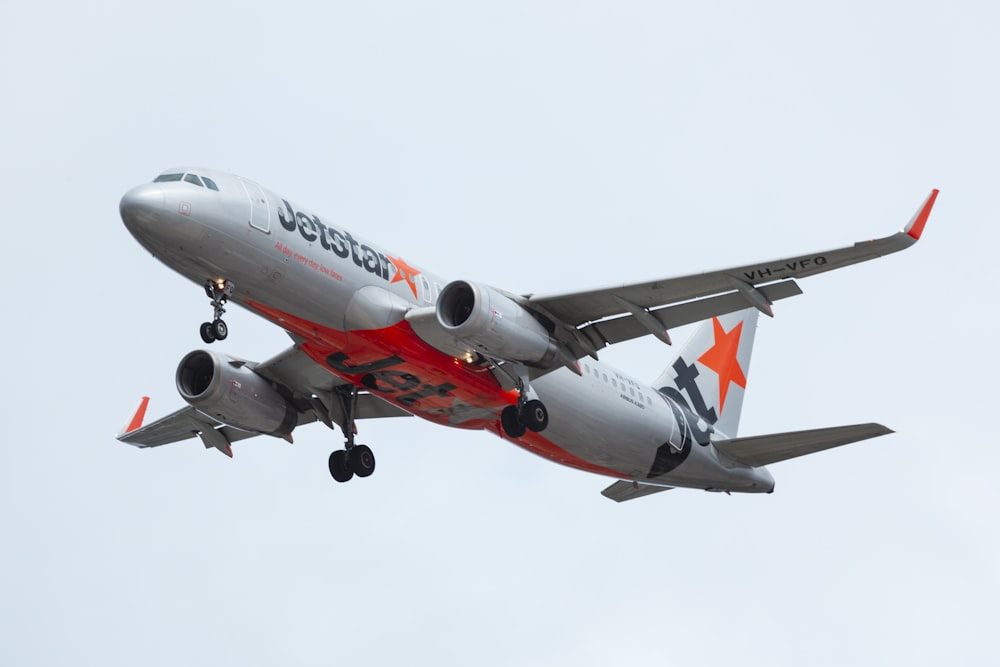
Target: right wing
x=312 y=390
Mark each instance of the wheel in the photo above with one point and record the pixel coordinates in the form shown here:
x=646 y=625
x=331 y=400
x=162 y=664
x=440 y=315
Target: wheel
x=362 y=460
x=511 y=423
x=340 y=466
x=220 y=329
x=207 y=332
x=535 y=416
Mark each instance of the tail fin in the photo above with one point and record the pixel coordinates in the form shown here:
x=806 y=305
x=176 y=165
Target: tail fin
x=710 y=373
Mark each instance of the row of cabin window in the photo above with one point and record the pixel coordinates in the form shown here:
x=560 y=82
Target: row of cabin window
x=188 y=178
x=614 y=383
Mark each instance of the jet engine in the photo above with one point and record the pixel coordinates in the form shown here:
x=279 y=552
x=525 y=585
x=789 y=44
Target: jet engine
x=493 y=323
x=226 y=390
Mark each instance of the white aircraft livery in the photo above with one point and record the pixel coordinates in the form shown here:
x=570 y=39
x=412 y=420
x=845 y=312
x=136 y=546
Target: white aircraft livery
x=376 y=336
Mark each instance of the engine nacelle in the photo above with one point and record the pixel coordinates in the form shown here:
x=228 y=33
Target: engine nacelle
x=229 y=392
x=494 y=324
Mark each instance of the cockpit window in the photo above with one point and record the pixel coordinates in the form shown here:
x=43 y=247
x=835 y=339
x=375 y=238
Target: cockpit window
x=194 y=179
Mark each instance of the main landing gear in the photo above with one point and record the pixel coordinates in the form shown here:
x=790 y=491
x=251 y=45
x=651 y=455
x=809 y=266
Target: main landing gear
x=219 y=293
x=527 y=415
x=353 y=459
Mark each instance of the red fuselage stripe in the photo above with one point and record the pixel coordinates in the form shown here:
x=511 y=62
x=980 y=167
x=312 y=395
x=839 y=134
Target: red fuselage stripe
x=421 y=379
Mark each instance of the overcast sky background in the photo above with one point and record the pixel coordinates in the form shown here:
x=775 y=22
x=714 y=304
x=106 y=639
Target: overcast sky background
x=540 y=147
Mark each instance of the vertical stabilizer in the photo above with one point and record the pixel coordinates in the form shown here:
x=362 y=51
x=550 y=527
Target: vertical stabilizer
x=710 y=374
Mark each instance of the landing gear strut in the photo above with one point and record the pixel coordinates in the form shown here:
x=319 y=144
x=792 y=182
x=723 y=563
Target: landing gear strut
x=353 y=459
x=527 y=415
x=219 y=293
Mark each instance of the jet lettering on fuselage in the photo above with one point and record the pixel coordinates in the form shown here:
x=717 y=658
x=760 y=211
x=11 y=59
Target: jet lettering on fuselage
x=406 y=387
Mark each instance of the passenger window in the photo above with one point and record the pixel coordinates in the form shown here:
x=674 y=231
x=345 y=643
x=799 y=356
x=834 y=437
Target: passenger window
x=164 y=178
x=191 y=178
x=210 y=184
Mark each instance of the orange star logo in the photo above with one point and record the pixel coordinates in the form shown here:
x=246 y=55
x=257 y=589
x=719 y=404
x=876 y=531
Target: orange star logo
x=404 y=272
x=721 y=358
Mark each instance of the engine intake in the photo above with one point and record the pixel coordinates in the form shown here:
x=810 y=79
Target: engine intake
x=493 y=323
x=229 y=392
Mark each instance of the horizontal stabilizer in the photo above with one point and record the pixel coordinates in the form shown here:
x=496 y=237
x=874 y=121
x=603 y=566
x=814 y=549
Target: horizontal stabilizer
x=621 y=491
x=763 y=450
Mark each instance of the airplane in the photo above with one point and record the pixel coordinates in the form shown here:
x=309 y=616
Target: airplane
x=375 y=336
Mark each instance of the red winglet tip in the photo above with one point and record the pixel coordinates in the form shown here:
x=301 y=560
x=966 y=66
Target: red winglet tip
x=916 y=226
x=139 y=416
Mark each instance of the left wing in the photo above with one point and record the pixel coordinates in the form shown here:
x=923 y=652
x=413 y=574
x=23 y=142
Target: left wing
x=312 y=392
x=644 y=308
x=181 y=425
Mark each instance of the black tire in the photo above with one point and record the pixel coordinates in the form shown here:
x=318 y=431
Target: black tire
x=362 y=460
x=340 y=466
x=207 y=332
x=511 y=422
x=535 y=416
x=220 y=329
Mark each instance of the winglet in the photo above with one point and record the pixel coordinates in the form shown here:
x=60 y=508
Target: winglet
x=916 y=226
x=137 y=418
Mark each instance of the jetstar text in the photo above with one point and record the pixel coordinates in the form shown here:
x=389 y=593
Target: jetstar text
x=341 y=244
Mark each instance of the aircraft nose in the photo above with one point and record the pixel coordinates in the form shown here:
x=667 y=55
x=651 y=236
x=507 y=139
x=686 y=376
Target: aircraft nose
x=141 y=207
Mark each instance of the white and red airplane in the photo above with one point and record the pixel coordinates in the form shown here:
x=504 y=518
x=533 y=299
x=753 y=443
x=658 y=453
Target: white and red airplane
x=376 y=336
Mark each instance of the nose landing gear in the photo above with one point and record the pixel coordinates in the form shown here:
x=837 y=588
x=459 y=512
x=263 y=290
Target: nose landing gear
x=219 y=293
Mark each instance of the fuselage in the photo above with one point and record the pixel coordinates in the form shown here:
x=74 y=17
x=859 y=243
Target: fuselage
x=344 y=300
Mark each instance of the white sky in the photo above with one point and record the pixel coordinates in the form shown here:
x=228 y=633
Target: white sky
x=538 y=146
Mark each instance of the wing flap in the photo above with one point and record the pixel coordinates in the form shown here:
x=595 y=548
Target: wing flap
x=619 y=329
x=622 y=490
x=763 y=450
